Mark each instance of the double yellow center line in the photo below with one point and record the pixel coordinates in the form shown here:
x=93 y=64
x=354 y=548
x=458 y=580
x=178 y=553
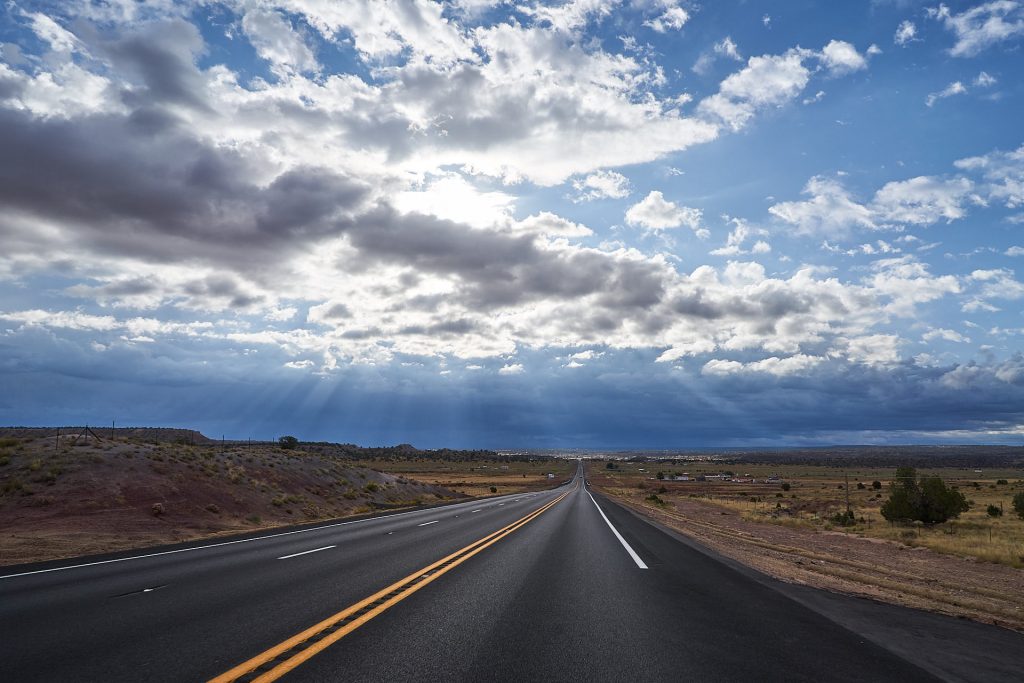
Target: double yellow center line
x=282 y=658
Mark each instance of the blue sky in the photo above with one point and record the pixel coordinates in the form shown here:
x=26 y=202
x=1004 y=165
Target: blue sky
x=598 y=223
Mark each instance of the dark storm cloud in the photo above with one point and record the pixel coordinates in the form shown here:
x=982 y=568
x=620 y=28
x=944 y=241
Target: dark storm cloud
x=222 y=288
x=10 y=86
x=499 y=269
x=161 y=56
x=443 y=328
x=165 y=196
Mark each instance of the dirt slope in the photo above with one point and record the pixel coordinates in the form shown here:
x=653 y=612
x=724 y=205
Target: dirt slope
x=66 y=499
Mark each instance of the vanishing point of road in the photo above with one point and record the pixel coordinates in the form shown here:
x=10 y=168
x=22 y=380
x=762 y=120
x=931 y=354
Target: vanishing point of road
x=560 y=585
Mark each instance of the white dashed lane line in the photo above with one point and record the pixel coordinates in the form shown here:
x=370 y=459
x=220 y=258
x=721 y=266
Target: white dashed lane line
x=429 y=523
x=306 y=552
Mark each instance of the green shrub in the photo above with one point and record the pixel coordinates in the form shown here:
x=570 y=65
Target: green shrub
x=876 y=485
x=494 y=489
x=927 y=500
x=994 y=511
x=1002 y=482
x=288 y=443
x=1018 y=504
x=844 y=518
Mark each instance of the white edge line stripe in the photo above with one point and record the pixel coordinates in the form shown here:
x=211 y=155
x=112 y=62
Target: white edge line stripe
x=475 y=511
x=632 y=553
x=218 y=545
x=307 y=552
x=429 y=523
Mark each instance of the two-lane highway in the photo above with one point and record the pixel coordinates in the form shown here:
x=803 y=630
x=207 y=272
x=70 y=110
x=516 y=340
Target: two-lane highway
x=558 y=585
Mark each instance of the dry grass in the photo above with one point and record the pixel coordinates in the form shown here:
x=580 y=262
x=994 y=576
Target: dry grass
x=475 y=478
x=816 y=494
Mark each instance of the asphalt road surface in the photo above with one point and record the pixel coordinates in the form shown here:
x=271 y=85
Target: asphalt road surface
x=562 y=585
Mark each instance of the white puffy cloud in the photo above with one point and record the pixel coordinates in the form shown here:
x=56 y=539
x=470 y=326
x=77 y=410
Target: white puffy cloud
x=908 y=282
x=1003 y=173
x=766 y=81
x=982 y=26
x=573 y=14
x=601 y=185
x=774 y=80
x=737 y=236
x=906 y=33
x=385 y=29
x=833 y=212
x=654 y=212
x=552 y=225
x=511 y=369
x=998 y=283
x=870 y=349
x=672 y=18
x=779 y=367
x=840 y=57
x=276 y=41
x=944 y=334
x=923 y=200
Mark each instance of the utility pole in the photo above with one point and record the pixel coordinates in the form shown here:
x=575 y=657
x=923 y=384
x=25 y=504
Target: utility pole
x=847 y=475
x=112 y=423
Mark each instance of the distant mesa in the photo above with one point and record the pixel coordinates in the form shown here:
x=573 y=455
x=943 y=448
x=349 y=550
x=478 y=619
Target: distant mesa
x=150 y=434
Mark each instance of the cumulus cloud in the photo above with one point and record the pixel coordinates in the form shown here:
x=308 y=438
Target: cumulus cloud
x=672 y=18
x=766 y=81
x=1003 y=173
x=739 y=234
x=945 y=335
x=834 y=212
x=840 y=57
x=906 y=33
x=276 y=41
x=654 y=212
x=601 y=185
x=980 y=27
x=779 y=367
x=831 y=210
x=511 y=369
